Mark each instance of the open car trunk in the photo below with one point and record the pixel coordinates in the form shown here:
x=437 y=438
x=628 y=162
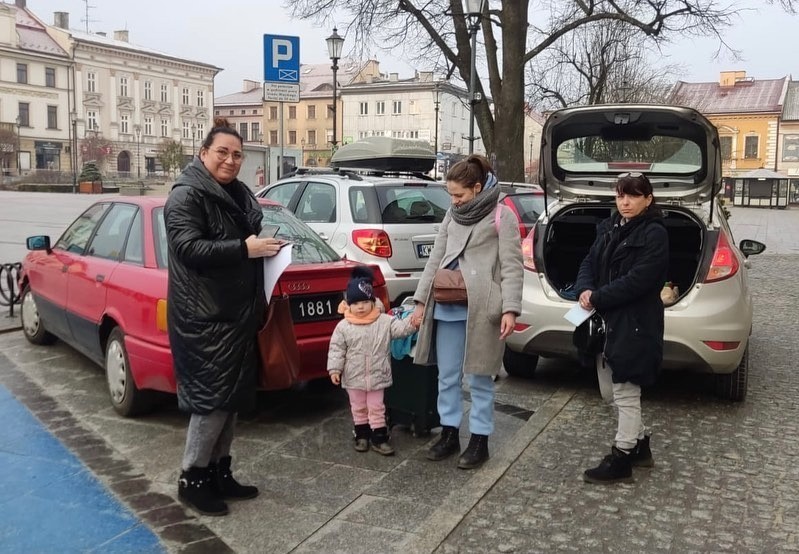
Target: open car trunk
x=571 y=231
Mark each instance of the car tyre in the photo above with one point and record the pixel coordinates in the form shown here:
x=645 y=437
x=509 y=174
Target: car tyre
x=126 y=398
x=733 y=386
x=518 y=364
x=32 y=325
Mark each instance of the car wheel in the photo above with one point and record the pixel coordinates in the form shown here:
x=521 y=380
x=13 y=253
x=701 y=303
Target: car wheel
x=32 y=324
x=126 y=398
x=518 y=364
x=733 y=386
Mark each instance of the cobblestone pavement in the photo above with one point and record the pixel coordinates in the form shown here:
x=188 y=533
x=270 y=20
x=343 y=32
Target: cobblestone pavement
x=726 y=476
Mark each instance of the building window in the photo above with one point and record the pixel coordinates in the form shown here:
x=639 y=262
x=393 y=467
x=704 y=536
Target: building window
x=24 y=114
x=312 y=137
x=330 y=112
x=364 y=108
x=22 y=73
x=91 y=81
x=49 y=77
x=256 y=131
x=272 y=137
x=230 y=112
x=164 y=127
x=750 y=147
x=272 y=112
x=123 y=86
x=363 y=134
x=52 y=117
x=164 y=93
x=292 y=137
x=186 y=130
x=185 y=97
x=124 y=124
x=200 y=98
x=91 y=121
x=243 y=112
x=148 y=126
x=255 y=112
x=292 y=112
x=148 y=90
x=200 y=131
x=380 y=108
x=397 y=109
x=243 y=131
x=311 y=111
x=726 y=148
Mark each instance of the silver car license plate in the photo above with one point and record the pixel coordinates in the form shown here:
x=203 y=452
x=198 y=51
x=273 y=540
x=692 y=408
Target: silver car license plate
x=423 y=250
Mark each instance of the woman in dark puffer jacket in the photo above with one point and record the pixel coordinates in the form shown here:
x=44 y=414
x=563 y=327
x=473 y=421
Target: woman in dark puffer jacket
x=622 y=277
x=215 y=306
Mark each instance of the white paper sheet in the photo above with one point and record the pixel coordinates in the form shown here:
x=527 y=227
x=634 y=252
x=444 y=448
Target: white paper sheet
x=578 y=314
x=274 y=267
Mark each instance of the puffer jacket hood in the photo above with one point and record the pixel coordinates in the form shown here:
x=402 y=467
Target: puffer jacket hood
x=215 y=297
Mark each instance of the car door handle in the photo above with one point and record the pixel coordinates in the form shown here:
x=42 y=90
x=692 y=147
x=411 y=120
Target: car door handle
x=99 y=278
x=323 y=236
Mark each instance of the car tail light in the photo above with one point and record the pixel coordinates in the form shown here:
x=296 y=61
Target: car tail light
x=722 y=345
x=725 y=262
x=372 y=241
x=160 y=315
x=527 y=251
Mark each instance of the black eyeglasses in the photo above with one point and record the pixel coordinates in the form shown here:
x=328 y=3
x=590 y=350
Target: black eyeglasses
x=629 y=174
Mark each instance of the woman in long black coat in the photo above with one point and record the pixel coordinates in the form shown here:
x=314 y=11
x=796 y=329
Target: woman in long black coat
x=215 y=306
x=621 y=277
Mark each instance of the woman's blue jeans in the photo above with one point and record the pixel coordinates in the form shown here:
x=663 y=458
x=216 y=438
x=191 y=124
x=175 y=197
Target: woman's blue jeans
x=450 y=346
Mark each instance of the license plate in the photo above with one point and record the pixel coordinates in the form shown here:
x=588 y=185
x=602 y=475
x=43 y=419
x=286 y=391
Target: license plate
x=317 y=307
x=423 y=250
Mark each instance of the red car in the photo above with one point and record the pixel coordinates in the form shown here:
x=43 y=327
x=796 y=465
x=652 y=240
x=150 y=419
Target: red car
x=102 y=289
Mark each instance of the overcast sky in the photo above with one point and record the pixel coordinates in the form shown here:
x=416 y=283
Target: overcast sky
x=229 y=34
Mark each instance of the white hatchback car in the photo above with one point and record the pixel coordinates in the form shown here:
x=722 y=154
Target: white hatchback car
x=583 y=151
x=388 y=221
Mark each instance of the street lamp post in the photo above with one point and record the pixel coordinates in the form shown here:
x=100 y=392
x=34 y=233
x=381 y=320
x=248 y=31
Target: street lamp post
x=193 y=135
x=435 y=134
x=19 y=145
x=335 y=43
x=474 y=9
x=137 y=130
x=73 y=119
x=532 y=142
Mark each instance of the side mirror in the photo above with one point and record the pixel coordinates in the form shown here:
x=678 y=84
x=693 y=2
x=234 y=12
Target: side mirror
x=39 y=242
x=750 y=247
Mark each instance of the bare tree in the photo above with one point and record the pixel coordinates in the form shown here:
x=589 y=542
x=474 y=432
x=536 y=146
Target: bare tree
x=606 y=61
x=435 y=33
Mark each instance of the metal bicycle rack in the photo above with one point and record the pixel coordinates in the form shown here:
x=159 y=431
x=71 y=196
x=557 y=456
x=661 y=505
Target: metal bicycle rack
x=9 y=279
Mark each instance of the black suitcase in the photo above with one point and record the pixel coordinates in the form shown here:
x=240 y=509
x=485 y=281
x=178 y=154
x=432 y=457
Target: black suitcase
x=412 y=400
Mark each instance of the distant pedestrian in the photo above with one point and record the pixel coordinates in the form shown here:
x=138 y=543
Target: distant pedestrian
x=467 y=338
x=621 y=277
x=359 y=359
x=216 y=304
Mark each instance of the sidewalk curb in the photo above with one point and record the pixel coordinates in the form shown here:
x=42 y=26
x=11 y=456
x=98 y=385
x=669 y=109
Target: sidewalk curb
x=458 y=504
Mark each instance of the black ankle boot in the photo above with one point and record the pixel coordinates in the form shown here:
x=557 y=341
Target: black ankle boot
x=380 y=441
x=225 y=485
x=641 y=456
x=448 y=444
x=616 y=467
x=196 y=489
x=362 y=433
x=476 y=452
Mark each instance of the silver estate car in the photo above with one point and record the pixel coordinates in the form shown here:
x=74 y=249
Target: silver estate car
x=583 y=151
x=388 y=221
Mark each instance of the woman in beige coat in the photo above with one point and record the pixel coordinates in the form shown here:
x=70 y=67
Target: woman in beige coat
x=469 y=339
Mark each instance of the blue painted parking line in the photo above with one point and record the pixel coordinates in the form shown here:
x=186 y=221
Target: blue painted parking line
x=51 y=502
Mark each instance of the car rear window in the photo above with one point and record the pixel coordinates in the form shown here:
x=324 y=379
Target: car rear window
x=400 y=203
x=308 y=247
x=530 y=206
x=655 y=154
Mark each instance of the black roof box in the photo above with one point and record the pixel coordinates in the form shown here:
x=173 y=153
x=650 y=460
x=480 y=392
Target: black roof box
x=386 y=154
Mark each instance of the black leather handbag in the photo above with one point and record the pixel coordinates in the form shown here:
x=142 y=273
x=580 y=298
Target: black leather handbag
x=589 y=336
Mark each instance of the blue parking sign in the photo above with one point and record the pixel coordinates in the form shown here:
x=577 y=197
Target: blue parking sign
x=281 y=59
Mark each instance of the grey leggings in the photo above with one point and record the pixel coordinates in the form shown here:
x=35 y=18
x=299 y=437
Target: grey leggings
x=208 y=438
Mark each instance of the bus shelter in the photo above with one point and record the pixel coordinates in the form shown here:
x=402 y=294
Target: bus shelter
x=761 y=188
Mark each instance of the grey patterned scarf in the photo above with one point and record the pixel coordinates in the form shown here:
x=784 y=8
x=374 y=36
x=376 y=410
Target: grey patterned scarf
x=478 y=207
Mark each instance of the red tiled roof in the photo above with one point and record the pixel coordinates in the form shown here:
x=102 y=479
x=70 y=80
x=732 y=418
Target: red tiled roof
x=32 y=34
x=746 y=96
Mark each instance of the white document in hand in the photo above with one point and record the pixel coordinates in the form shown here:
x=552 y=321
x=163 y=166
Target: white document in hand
x=273 y=269
x=578 y=314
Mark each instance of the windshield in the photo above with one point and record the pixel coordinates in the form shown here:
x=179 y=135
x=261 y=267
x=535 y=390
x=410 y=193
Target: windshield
x=308 y=247
x=656 y=154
